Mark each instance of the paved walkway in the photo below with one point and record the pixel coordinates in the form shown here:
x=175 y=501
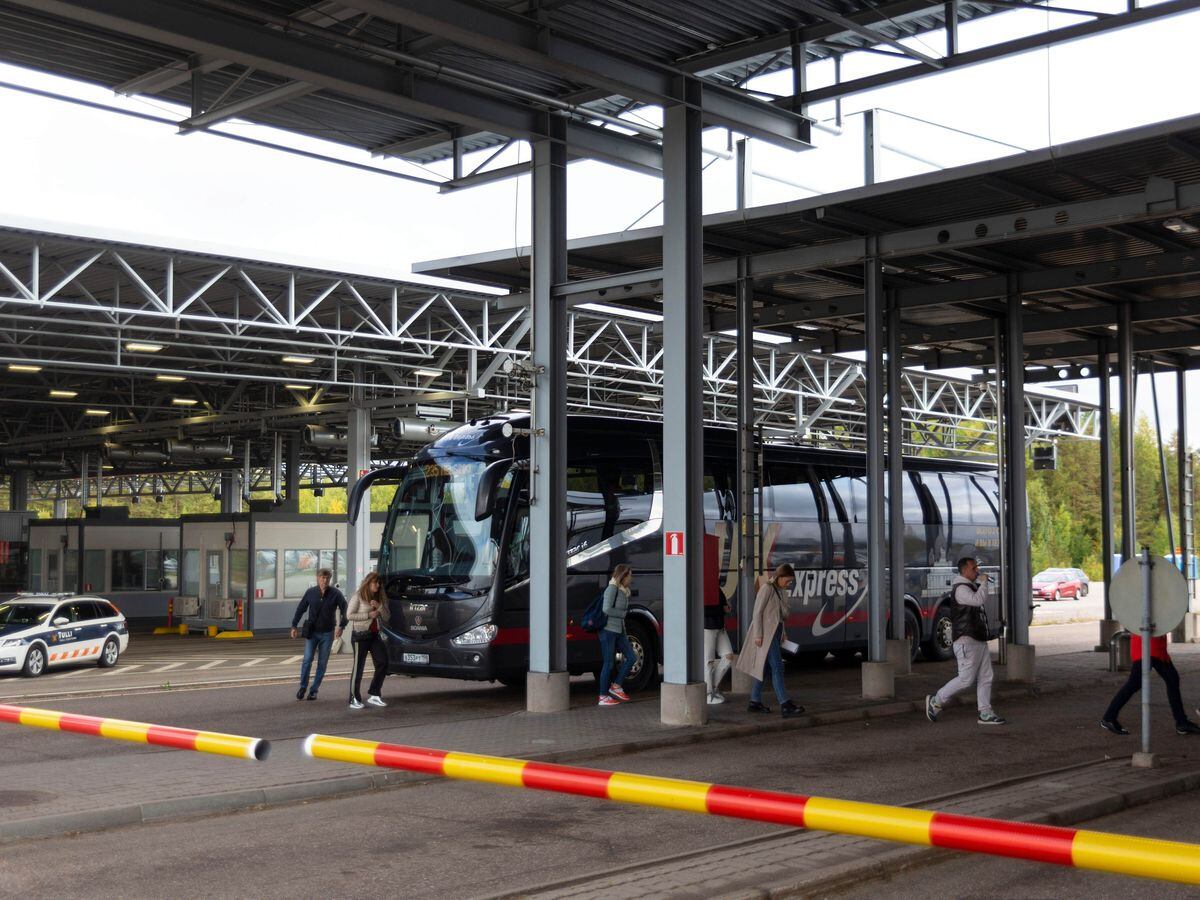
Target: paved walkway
x=125 y=783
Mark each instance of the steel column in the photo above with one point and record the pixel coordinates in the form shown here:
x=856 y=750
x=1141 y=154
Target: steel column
x=871 y=150
x=548 y=502
x=291 y=501
x=358 y=461
x=747 y=525
x=683 y=415
x=18 y=489
x=895 y=451
x=1017 y=501
x=85 y=488
x=231 y=499
x=1127 y=389
x=876 y=375
x=1181 y=439
x=1106 y=480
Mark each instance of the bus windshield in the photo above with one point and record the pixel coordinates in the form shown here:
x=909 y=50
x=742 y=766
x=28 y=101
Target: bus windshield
x=431 y=532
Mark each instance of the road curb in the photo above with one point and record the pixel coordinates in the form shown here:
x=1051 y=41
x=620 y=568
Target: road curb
x=298 y=792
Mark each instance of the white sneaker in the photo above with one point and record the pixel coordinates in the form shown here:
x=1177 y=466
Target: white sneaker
x=375 y=701
x=356 y=704
x=715 y=697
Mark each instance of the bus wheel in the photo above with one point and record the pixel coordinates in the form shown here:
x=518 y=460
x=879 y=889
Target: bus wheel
x=941 y=645
x=845 y=655
x=645 y=663
x=912 y=633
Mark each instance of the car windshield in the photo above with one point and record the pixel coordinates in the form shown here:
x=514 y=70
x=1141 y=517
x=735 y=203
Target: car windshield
x=432 y=534
x=24 y=613
x=1051 y=575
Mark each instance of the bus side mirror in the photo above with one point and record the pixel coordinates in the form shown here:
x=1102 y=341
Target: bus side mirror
x=487 y=487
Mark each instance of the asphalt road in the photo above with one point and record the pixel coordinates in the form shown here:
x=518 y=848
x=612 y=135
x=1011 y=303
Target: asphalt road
x=453 y=839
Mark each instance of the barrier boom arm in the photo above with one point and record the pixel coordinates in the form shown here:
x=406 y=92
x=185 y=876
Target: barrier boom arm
x=139 y=732
x=1143 y=857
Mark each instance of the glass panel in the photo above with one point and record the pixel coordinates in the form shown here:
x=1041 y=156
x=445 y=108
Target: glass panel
x=70 y=569
x=191 y=573
x=237 y=573
x=35 y=570
x=93 y=570
x=300 y=571
x=266 y=567
x=214 y=581
x=129 y=569
x=336 y=562
x=52 y=571
x=167 y=577
x=790 y=494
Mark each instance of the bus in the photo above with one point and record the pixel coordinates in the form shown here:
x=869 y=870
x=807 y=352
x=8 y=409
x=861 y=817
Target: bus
x=455 y=546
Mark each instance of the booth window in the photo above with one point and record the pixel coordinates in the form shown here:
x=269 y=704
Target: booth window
x=300 y=571
x=266 y=568
x=128 y=570
x=162 y=570
x=35 y=571
x=238 y=560
x=191 y=573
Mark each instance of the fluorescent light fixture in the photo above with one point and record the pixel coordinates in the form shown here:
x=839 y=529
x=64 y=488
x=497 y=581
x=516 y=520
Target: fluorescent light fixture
x=23 y=367
x=639 y=314
x=171 y=378
x=430 y=373
x=763 y=337
x=96 y=412
x=649 y=398
x=299 y=387
x=1179 y=226
x=299 y=360
x=183 y=401
x=65 y=394
x=141 y=347
x=107 y=468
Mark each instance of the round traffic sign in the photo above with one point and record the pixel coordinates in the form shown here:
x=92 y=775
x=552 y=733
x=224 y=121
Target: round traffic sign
x=1168 y=595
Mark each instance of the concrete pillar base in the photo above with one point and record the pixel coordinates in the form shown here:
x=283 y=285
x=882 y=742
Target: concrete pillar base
x=684 y=704
x=897 y=651
x=1108 y=627
x=878 y=681
x=1191 y=627
x=742 y=683
x=1146 y=760
x=1020 y=664
x=547 y=692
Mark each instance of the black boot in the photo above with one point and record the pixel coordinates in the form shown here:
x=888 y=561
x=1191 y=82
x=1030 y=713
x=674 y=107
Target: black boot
x=757 y=707
x=790 y=710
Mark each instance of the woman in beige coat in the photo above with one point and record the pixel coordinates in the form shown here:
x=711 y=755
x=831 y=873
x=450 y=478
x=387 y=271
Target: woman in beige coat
x=368 y=612
x=763 y=639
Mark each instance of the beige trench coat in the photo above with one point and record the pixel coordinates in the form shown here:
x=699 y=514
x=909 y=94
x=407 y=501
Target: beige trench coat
x=770 y=610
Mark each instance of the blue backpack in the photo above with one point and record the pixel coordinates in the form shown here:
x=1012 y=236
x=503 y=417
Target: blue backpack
x=594 y=619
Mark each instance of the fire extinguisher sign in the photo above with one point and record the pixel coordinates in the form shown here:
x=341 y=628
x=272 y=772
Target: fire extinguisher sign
x=673 y=543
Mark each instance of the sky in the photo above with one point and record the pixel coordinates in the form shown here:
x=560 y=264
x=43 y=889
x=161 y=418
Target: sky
x=68 y=168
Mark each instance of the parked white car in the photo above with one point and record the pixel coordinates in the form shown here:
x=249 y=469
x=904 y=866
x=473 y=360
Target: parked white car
x=39 y=631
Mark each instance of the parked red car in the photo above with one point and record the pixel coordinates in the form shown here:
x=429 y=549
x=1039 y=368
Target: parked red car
x=1058 y=584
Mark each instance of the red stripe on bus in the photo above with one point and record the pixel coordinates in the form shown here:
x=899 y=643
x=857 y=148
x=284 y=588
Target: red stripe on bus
x=415 y=759
x=1043 y=843
x=80 y=724
x=566 y=779
x=167 y=736
x=761 y=806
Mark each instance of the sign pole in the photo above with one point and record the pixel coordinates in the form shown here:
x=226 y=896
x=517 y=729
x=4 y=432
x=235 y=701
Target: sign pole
x=1147 y=629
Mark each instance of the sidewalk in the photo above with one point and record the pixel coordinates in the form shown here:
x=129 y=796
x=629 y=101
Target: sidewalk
x=118 y=783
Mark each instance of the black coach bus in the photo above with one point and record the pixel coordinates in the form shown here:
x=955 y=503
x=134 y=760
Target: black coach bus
x=455 y=550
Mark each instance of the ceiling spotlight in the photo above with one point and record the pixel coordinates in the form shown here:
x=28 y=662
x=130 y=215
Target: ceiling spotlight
x=1179 y=226
x=23 y=367
x=96 y=412
x=299 y=360
x=1085 y=372
x=1064 y=373
x=67 y=395
x=171 y=378
x=140 y=347
x=135 y=499
x=183 y=401
x=157 y=497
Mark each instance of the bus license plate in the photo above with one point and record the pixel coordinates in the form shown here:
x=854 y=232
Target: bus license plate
x=421 y=658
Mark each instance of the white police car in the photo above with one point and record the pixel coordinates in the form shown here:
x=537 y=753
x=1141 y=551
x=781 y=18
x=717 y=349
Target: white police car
x=38 y=631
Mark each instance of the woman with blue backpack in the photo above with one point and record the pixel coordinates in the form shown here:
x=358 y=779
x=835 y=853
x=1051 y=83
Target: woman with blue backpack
x=613 y=636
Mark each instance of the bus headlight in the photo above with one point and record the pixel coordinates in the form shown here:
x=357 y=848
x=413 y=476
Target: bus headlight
x=480 y=634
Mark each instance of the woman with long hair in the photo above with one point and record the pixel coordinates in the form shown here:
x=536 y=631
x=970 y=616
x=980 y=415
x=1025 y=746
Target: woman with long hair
x=613 y=636
x=763 y=639
x=368 y=608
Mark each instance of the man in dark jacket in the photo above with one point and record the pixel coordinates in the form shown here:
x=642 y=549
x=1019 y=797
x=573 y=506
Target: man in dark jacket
x=326 y=609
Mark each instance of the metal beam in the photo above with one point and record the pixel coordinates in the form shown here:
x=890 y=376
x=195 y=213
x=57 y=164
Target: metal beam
x=1106 y=482
x=1127 y=398
x=271 y=97
x=1018 y=524
x=529 y=43
x=876 y=381
x=409 y=92
x=824 y=12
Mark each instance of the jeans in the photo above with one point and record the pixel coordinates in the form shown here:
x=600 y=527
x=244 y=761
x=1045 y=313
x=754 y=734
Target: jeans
x=717 y=650
x=366 y=644
x=320 y=644
x=610 y=642
x=775 y=664
x=1170 y=676
x=974 y=663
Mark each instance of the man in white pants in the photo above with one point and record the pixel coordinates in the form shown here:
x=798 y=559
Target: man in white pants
x=969 y=593
x=718 y=651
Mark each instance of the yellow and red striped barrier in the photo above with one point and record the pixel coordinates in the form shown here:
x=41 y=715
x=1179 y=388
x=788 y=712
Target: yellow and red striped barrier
x=1144 y=857
x=139 y=732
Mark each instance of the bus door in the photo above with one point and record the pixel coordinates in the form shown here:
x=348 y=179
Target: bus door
x=847 y=492
x=797 y=534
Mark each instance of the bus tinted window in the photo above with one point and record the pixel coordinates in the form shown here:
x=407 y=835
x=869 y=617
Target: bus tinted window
x=790 y=494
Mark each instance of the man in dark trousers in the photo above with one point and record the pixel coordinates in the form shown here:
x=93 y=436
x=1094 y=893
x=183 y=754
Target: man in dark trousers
x=326 y=609
x=1160 y=662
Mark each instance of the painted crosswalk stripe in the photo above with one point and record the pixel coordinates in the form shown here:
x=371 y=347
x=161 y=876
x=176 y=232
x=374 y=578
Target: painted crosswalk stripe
x=69 y=672
x=174 y=665
x=253 y=662
x=212 y=665
x=292 y=659
x=123 y=669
